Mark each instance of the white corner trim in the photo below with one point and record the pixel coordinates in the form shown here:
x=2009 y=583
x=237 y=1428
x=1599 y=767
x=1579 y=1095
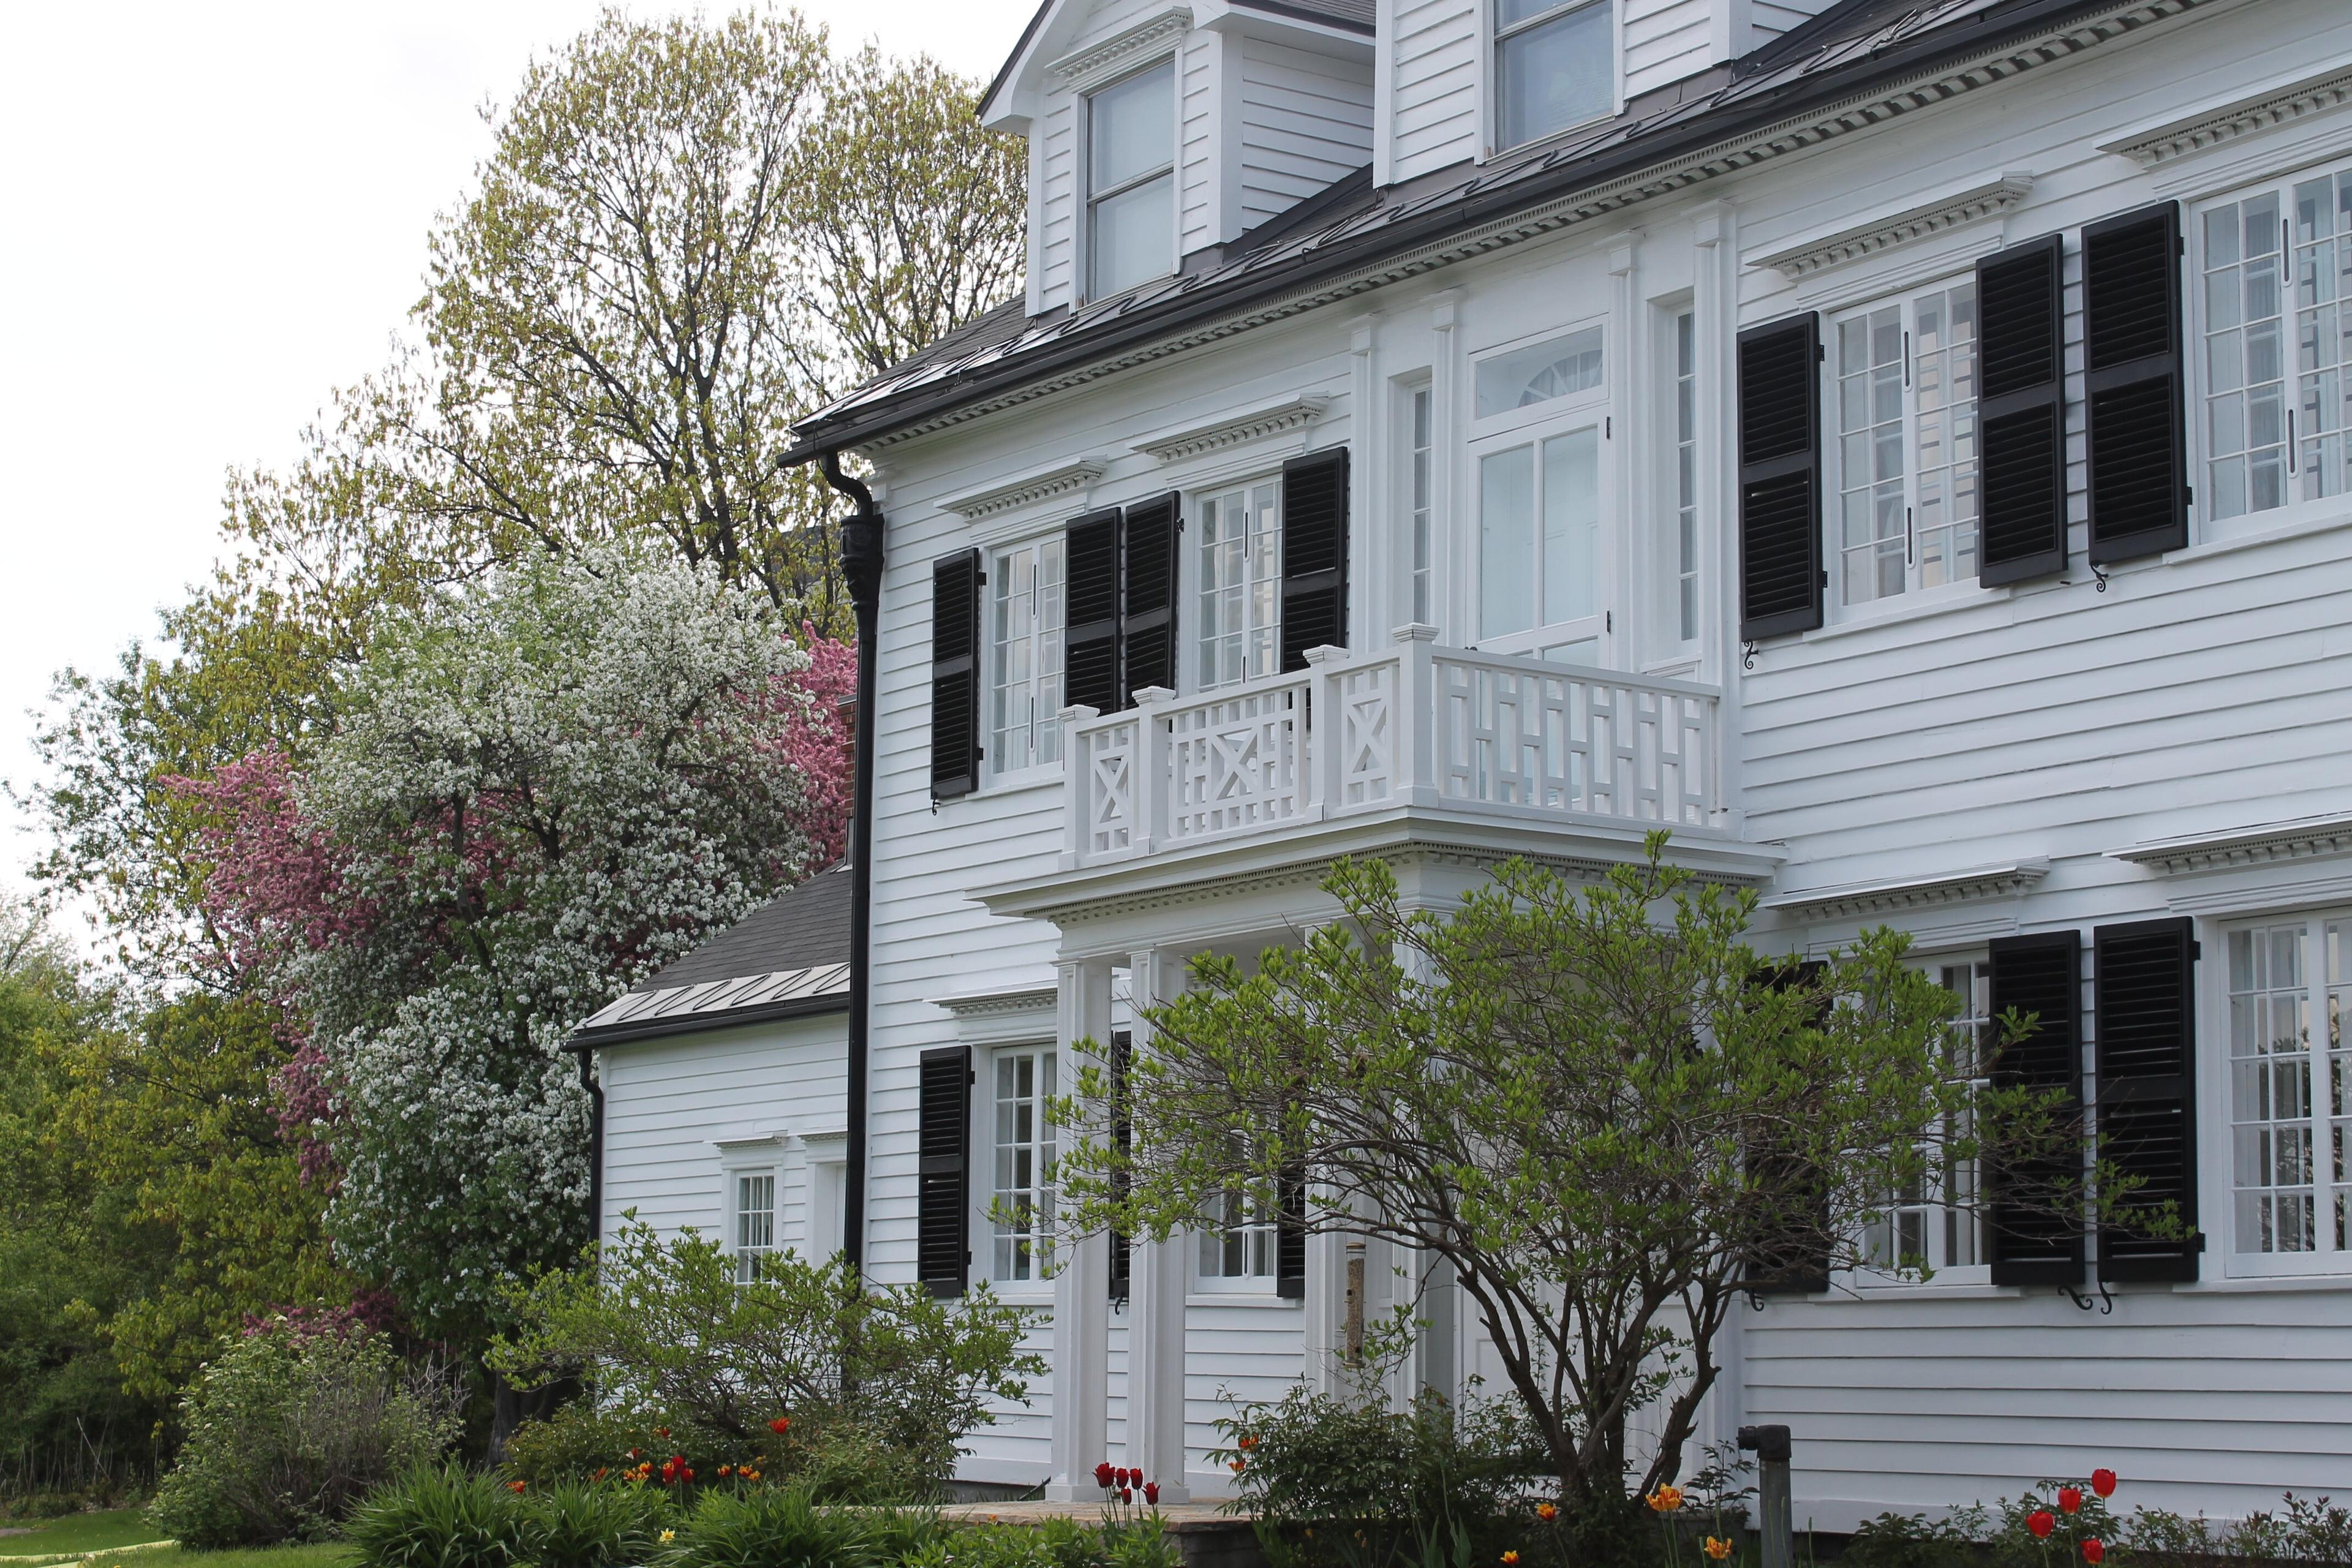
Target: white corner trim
x=1848 y=245
x=1114 y=53
x=1911 y=892
x=2176 y=138
x=978 y=504
x=1293 y=413
x=2302 y=838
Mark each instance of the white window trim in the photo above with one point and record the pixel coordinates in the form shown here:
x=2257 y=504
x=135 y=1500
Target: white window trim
x=1561 y=416
x=1190 y=622
x=2216 y=1176
x=1913 y=600
x=1512 y=419
x=1413 y=603
x=1490 y=117
x=1225 y=1287
x=992 y=776
x=756 y=1155
x=1082 y=222
x=1947 y=1276
x=2205 y=533
x=1039 y=1287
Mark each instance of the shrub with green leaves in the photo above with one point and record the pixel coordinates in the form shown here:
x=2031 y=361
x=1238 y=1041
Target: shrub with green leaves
x=290 y=1426
x=774 y=1528
x=587 y=1524
x=441 y=1518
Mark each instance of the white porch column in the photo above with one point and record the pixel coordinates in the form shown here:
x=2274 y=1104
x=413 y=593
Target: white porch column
x=1081 y=1376
x=1156 y=1277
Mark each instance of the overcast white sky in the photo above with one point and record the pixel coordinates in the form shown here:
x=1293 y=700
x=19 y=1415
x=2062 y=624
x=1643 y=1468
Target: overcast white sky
x=216 y=214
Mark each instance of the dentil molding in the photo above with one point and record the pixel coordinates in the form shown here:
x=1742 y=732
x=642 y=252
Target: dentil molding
x=2329 y=89
x=1117 y=51
x=1053 y=482
x=1866 y=239
x=2303 y=839
x=1294 y=413
x=1911 y=892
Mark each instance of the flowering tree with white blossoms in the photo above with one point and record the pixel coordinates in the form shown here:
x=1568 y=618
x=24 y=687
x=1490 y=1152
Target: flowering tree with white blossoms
x=538 y=790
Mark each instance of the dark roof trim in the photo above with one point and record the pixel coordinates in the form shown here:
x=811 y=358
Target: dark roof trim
x=701 y=1023
x=1993 y=30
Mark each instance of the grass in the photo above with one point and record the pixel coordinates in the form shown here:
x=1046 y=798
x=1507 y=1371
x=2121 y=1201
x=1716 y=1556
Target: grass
x=327 y=1554
x=100 y=1531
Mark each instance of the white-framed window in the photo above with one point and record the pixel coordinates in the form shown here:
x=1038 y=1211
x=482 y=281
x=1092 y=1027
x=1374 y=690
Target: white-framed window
x=1024 y=635
x=1939 y=1221
x=1555 y=66
x=1240 y=1244
x=1238 y=584
x=2275 y=360
x=1683 y=478
x=753 y=1222
x=1904 y=414
x=1420 y=483
x=2289 y=1095
x=1539 y=416
x=1024 y=1138
x=1568 y=365
x=1131 y=180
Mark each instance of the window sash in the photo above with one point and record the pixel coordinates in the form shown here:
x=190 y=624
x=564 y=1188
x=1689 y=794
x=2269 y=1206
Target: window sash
x=1024 y=1147
x=1240 y=1242
x=1906 y=485
x=755 y=1221
x=1025 y=604
x=1112 y=197
x=1940 y=1221
x=1685 y=478
x=2288 y=1094
x=1514 y=121
x=1238 y=585
x=1541 y=578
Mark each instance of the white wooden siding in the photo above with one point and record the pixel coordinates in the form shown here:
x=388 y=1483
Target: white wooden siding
x=1434 y=102
x=1666 y=40
x=1306 y=121
x=1771 y=18
x=1200 y=185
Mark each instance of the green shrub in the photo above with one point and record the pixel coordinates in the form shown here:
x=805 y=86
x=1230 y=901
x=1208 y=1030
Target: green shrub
x=1911 y=1541
x=774 y=1528
x=587 y=1524
x=583 y=1437
x=288 y=1428
x=445 y=1518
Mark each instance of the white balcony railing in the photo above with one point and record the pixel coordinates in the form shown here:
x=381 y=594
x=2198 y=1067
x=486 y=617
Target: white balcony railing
x=1416 y=725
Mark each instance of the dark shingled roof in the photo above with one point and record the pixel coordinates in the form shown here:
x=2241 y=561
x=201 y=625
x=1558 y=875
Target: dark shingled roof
x=788 y=958
x=1851 y=48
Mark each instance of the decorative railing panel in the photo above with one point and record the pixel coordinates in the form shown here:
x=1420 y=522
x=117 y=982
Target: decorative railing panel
x=1236 y=761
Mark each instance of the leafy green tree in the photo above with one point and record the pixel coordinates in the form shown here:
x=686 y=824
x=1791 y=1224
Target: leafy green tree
x=1595 y=1103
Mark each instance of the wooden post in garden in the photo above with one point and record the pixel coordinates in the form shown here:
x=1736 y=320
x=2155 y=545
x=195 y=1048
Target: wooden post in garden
x=1775 y=1526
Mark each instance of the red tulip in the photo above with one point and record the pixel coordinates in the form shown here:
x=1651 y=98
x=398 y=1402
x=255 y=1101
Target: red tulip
x=661 y=1431
x=516 y=1487
x=2042 y=1522
x=778 y=1425
x=1105 y=1475
x=2070 y=1500
x=1125 y=1495
x=1151 y=1493
x=2093 y=1549
x=2103 y=1482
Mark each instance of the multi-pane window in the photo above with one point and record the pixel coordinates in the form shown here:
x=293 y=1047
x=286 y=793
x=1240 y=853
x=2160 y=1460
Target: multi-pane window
x=1555 y=66
x=1418 y=492
x=1905 y=411
x=1937 y=1220
x=2290 y=1093
x=755 y=1221
x=1131 y=181
x=1557 y=367
x=1686 y=480
x=1024 y=1204
x=1540 y=543
x=1024 y=631
x=1241 y=583
x=1239 y=1240
x=2276 y=268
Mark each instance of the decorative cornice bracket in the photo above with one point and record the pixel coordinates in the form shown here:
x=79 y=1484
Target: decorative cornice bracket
x=1910 y=894
x=2303 y=839
x=1294 y=413
x=1868 y=239
x=1077 y=476
x=1114 y=53
x=2177 y=138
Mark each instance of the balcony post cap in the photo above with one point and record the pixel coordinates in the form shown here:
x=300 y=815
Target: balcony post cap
x=1153 y=696
x=1325 y=653
x=1079 y=711
x=1415 y=631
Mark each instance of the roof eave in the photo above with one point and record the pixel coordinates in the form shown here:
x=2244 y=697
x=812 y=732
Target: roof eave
x=587 y=1040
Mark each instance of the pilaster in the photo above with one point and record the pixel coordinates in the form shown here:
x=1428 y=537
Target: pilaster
x=1081 y=1361
x=1155 y=1334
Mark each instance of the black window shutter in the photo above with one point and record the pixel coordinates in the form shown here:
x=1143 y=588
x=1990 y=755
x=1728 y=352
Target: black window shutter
x=1781 y=576
x=1122 y=1138
x=2021 y=412
x=942 y=1181
x=1148 y=625
x=1314 y=554
x=1290 y=1235
x=2035 y=1241
x=2144 y=981
x=1090 y=662
x=955 y=674
x=2135 y=450
x=1791 y=1254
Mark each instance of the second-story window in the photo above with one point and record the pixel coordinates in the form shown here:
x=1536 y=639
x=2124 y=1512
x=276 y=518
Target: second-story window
x=1240 y=584
x=1686 y=478
x=1025 y=633
x=1904 y=399
x=1418 y=499
x=1131 y=181
x=1555 y=66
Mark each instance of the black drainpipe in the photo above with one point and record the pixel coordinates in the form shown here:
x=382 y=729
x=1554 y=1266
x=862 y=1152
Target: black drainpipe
x=861 y=564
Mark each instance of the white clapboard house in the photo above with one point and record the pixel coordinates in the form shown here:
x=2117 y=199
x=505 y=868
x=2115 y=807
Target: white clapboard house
x=1897 y=444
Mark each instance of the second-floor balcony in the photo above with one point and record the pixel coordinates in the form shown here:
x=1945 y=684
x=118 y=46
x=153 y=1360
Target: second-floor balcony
x=1520 y=754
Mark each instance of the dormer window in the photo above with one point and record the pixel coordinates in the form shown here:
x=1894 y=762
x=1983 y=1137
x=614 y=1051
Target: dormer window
x=1555 y=66
x=1131 y=181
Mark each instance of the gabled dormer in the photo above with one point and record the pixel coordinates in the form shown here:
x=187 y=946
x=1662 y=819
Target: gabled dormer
x=1160 y=131
x=1464 y=80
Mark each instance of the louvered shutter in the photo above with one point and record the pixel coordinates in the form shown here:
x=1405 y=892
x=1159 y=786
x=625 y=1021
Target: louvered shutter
x=1791 y=1254
x=1314 y=554
x=2034 y=1240
x=1090 y=662
x=1122 y=1138
x=1780 y=575
x=2136 y=448
x=2144 y=982
x=2021 y=412
x=942 y=1180
x=955 y=674
x=1148 y=618
x=1290 y=1236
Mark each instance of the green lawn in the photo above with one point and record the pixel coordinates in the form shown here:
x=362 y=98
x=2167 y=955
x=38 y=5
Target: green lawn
x=99 y=1531
x=333 y=1554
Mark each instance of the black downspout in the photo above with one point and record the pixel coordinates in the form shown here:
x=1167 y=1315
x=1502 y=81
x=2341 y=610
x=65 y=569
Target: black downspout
x=587 y=1054
x=861 y=565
